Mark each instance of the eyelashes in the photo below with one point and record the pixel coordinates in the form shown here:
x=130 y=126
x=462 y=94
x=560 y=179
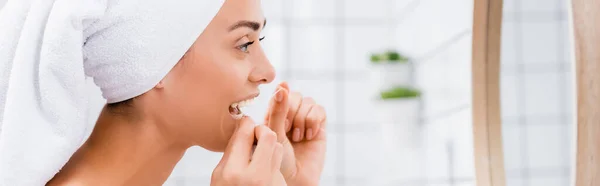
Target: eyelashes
x=244 y=47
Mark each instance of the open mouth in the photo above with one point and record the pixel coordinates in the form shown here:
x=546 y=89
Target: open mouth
x=235 y=109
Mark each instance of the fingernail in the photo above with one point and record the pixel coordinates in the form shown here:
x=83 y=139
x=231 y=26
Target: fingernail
x=279 y=96
x=287 y=125
x=277 y=88
x=296 y=135
x=309 y=134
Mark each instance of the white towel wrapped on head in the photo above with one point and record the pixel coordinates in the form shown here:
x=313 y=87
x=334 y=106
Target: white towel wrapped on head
x=48 y=47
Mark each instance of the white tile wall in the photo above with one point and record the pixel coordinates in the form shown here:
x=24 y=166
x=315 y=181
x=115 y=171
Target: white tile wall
x=407 y=38
x=509 y=91
x=362 y=154
x=275 y=37
x=544 y=142
x=540 y=42
x=541 y=94
x=514 y=182
x=361 y=42
x=311 y=9
x=470 y=183
x=462 y=144
x=273 y=9
x=360 y=9
x=360 y=104
x=510 y=7
x=331 y=157
x=329 y=181
x=540 y=6
x=312 y=48
x=439 y=184
x=322 y=91
x=535 y=93
x=547 y=181
x=508 y=54
x=511 y=141
x=437 y=162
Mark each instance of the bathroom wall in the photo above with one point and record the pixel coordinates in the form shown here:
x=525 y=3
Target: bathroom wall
x=537 y=93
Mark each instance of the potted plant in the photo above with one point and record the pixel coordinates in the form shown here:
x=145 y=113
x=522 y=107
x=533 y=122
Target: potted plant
x=391 y=69
x=399 y=103
x=398 y=110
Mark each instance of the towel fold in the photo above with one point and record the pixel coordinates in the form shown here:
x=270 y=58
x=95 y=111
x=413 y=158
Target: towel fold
x=49 y=47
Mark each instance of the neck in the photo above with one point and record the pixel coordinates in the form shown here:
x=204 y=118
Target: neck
x=123 y=152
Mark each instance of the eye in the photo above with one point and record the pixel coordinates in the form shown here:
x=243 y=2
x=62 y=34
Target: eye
x=244 y=47
x=260 y=39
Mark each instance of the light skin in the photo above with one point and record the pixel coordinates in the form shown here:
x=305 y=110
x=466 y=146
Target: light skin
x=303 y=159
x=140 y=143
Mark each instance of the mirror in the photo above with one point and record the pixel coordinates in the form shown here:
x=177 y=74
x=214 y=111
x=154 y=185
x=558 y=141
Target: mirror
x=537 y=93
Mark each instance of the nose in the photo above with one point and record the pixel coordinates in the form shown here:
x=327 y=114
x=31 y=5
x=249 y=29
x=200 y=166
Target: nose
x=263 y=72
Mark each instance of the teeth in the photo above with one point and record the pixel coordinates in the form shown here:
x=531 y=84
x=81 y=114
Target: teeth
x=238 y=116
x=240 y=105
x=243 y=103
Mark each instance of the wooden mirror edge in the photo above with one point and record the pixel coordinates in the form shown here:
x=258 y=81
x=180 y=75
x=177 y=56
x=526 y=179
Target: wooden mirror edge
x=585 y=16
x=487 y=126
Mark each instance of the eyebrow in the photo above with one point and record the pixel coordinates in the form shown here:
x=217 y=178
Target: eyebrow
x=247 y=24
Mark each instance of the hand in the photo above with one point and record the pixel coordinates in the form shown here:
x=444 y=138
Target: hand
x=303 y=147
x=240 y=167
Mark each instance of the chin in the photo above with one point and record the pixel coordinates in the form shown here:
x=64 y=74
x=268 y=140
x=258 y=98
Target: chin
x=216 y=147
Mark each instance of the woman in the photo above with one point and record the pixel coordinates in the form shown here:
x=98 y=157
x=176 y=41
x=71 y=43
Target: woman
x=139 y=138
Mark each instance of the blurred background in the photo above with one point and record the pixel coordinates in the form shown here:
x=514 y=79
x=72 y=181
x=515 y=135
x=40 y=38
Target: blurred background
x=395 y=79
x=345 y=53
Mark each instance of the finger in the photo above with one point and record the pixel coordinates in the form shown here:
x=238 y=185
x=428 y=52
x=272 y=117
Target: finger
x=288 y=125
x=279 y=111
x=277 y=157
x=313 y=121
x=240 y=147
x=229 y=145
x=295 y=100
x=299 y=122
x=267 y=139
x=283 y=85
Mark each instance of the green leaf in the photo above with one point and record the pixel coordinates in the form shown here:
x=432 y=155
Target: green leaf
x=400 y=92
x=393 y=56
x=376 y=58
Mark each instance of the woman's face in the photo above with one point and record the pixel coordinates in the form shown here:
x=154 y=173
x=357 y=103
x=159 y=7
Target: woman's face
x=224 y=66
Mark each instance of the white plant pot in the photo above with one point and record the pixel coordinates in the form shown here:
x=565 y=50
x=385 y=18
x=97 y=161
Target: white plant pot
x=401 y=134
x=390 y=74
x=400 y=123
x=404 y=110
